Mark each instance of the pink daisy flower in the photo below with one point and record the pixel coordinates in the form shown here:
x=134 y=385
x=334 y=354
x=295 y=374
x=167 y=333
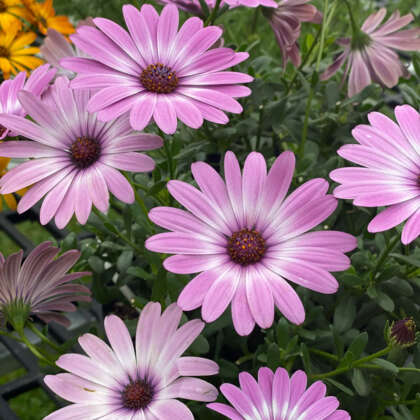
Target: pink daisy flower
x=36 y=83
x=76 y=157
x=245 y=238
x=55 y=47
x=276 y=396
x=286 y=23
x=40 y=286
x=156 y=71
x=389 y=155
x=123 y=382
x=371 y=57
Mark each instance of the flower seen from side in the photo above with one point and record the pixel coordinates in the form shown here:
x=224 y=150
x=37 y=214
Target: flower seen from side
x=286 y=20
x=371 y=53
x=122 y=381
x=37 y=83
x=278 y=396
x=389 y=171
x=245 y=238
x=156 y=72
x=40 y=286
x=75 y=158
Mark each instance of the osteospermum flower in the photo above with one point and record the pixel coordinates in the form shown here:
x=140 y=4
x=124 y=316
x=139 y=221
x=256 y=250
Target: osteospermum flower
x=245 y=238
x=43 y=16
x=40 y=286
x=8 y=198
x=370 y=53
x=10 y=13
x=55 y=47
x=36 y=83
x=15 y=54
x=76 y=157
x=194 y=6
x=123 y=382
x=389 y=155
x=156 y=71
x=276 y=396
x=285 y=21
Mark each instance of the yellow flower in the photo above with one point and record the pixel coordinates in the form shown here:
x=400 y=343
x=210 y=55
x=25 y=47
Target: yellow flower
x=14 y=57
x=43 y=15
x=8 y=198
x=11 y=11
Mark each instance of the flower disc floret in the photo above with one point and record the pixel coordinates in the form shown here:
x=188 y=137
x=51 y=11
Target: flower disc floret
x=159 y=78
x=85 y=151
x=137 y=395
x=246 y=247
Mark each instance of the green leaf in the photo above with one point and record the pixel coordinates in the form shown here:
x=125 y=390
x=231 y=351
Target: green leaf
x=273 y=356
x=385 y=302
x=358 y=345
x=409 y=260
x=340 y=386
x=360 y=383
x=96 y=264
x=140 y=273
x=305 y=358
x=124 y=261
x=200 y=345
x=386 y=365
x=344 y=314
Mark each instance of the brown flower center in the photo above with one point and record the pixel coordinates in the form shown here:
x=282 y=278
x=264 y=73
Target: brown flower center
x=85 y=151
x=137 y=395
x=3 y=7
x=246 y=247
x=4 y=52
x=159 y=78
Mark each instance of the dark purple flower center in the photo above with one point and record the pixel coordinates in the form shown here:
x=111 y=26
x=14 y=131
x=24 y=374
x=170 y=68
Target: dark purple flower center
x=246 y=247
x=159 y=78
x=404 y=331
x=85 y=151
x=137 y=395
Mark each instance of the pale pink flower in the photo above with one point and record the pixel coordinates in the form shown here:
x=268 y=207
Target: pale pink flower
x=371 y=57
x=76 y=158
x=156 y=71
x=194 y=6
x=40 y=286
x=55 y=47
x=246 y=238
x=276 y=396
x=36 y=83
x=286 y=23
x=120 y=382
x=390 y=158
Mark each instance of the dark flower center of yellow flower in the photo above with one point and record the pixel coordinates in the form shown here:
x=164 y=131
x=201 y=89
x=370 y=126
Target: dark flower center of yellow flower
x=85 y=151
x=3 y=7
x=246 y=247
x=159 y=78
x=137 y=395
x=4 y=52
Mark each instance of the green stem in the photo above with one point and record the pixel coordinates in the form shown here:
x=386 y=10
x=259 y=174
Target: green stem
x=353 y=365
x=43 y=337
x=301 y=149
x=34 y=350
x=117 y=233
x=12 y=336
x=255 y=19
x=324 y=354
x=213 y=14
x=385 y=253
x=354 y=27
x=170 y=160
x=323 y=32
